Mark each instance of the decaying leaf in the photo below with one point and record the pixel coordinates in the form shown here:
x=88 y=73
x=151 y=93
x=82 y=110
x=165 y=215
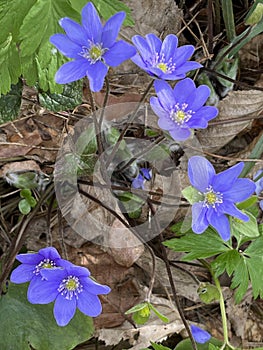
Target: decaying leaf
x=238 y=104
x=153 y=331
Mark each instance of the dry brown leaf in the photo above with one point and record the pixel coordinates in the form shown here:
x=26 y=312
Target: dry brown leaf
x=153 y=331
x=236 y=105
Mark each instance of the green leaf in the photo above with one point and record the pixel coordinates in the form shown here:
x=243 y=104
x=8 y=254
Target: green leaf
x=255 y=14
x=192 y=195
x=10 y=68
x=255 y=266
x=29 y=326
x=158 y=152
x=70 y=97
x=226 y=261
x=247 y=203
x=187 y=345
x=26 y=193
x=198 y=246
x=159 y=347
x=208 y=292
x=106 y=8
x=24 y=207
x=10 y=103
x=136 y=308
x=244 y=230
x=240 y=280
x=32 y=202
x=158 y=313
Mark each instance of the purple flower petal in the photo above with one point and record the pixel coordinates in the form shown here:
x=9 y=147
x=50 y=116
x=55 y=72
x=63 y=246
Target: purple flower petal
x=182 y=54
x=41 y=291
x=140 y=62
x=96 y=74
x=78 y=271
x=184 y=90
x=23 y=273
x=165 y=94
x=119 y=52
x=146 y=173
x=167 y=124
x=187 y=67
x=89 y=304
x=74 y=31
x=54 y=275
x=72 y=71
x=204 y=114
x=64 y=310
x=91 y=22
x=169 y=46
x=142 y=46
x=154 y=43
x=158 y=109
x=111 y=29
x=93 y=287
x=225 y=180
x=199 y=221
x=65 y=45
x=199 y=335
x=180 y=134
x=230 y=209
x=29 y=258
x=200 y=172
x=220 y=223
x=201 y=95
x=240 y=190
x=49 y=253
x=138 y=182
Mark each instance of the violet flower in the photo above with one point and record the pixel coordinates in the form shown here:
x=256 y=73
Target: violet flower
x=181 y=109
x=259 y=186
x=219 y=193
x=71 y=288
x=199 y=335
x=33 y=263
x=144 y=175
x=92 y=46
x=163 y=60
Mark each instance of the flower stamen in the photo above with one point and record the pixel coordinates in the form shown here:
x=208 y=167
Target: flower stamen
x=212 y=198
x=161 y=63
x=93 y=53
x=70 y=287
x=44 y=264
x=180 y=115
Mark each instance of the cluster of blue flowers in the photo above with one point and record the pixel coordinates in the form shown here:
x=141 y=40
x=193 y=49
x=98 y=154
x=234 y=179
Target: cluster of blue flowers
x=93 y=48
x=52 y=278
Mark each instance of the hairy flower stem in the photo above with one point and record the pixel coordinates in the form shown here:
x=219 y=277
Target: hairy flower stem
x=116 y=146
x=170 y=277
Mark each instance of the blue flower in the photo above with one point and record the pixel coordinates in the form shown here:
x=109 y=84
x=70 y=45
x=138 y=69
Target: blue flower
x=219 y=194
x=200 y=336
x=144 y=174
x=33 y=263
x=259 y=186
x=92 y=46
x=163 y=60
x=181 y=109
x=70 y=287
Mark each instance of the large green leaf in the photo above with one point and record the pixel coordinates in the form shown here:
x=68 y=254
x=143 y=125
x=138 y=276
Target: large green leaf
x=198 y=246
x=10 y=68
x=187 y=345
x=25 y=325
x=106 y=8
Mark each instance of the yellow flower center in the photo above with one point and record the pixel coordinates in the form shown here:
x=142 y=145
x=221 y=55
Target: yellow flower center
x=47 y=265
x=71 y=284
x=95 y=53
x=180 y=116
x=210 y=198
x=162 y=66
